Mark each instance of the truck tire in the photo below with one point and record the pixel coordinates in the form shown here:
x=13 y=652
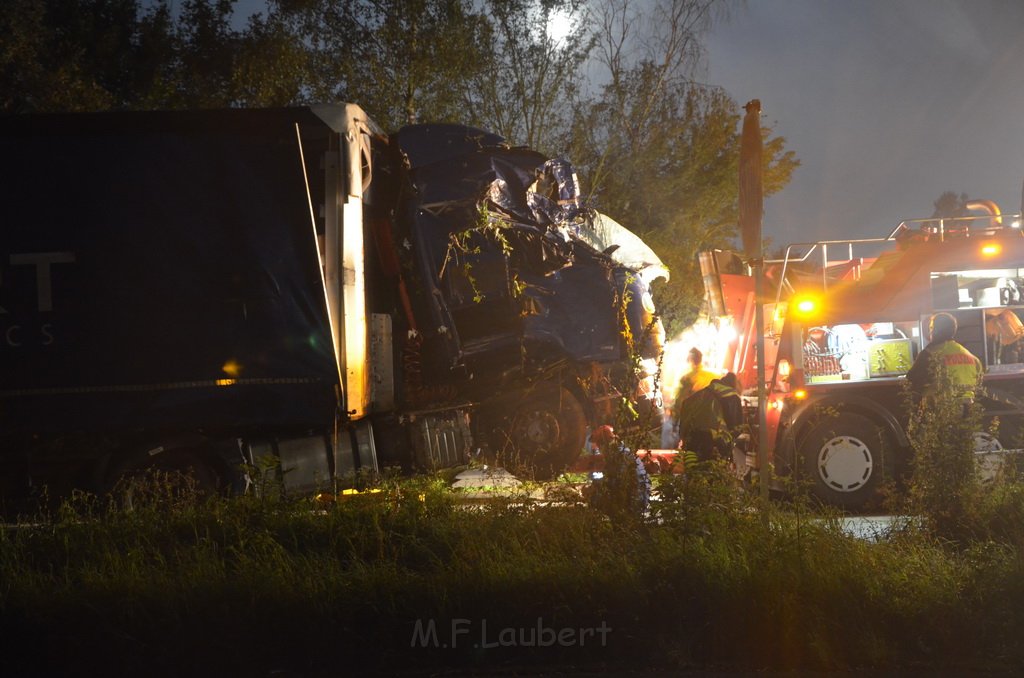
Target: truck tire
x=845 y=458
x=547 y=432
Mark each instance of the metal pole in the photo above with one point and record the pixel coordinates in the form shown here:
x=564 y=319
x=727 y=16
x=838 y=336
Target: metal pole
x=751 y=211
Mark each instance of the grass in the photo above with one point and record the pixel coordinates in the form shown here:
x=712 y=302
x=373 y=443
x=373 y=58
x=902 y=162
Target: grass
x=181 y=585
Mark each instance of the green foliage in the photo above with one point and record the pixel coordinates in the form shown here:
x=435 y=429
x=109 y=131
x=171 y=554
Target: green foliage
x=401 y=61
x=639 y=427
x=61 y=55
x=950 y=205
x=956 y=502
x=181 y=583
x=660 y=151
x=706 y=496
x=617 y=493
x=526 y=86
x=945 y=488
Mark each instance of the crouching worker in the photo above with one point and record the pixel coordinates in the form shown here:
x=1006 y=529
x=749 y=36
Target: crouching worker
x=624 y=484
x=711 y=420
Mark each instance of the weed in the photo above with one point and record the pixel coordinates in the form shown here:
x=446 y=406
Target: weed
x=716 y=579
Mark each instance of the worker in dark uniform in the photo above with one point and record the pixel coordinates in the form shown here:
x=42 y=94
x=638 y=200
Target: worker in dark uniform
x=945 y=361
x=711 y=419
x=696 y=379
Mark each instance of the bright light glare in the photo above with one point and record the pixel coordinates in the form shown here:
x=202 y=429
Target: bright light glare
x=800 y=394
x=1015 y=224
x=232 y=368
x=560 y=25
x=650 y=366
x=990 y=249
x=805 y=306
x=716 y=340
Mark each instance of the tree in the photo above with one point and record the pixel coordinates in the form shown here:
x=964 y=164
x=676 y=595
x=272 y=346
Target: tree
x=207 y=47
x=660 y=151
x=949 y=205
x=273 y=66
x=528 y=85
x=402 y=60
x=85 y=55
x=491 y=64
x=80 y=55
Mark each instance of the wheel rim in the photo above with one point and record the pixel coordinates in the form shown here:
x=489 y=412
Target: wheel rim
x=845 y=464
x=538 y=430
x=990 y=455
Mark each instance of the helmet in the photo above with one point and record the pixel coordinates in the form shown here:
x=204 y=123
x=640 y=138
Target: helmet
x=943 y=327
x=603 y=435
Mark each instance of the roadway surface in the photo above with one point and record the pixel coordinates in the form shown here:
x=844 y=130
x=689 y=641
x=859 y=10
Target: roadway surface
x=493 y=482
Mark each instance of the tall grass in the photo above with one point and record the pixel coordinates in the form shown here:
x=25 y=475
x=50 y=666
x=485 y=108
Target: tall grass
x=179 y=584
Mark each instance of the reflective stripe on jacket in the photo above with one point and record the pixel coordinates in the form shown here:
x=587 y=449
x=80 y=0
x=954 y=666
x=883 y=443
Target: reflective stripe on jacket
x=716 y=409
x=962 y=368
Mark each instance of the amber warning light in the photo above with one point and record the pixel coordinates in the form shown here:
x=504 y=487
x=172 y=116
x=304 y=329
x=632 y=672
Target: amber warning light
x=805 y=306
x=990 y=249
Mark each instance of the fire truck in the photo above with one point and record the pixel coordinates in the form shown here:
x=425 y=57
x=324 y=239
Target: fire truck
x=843 y=323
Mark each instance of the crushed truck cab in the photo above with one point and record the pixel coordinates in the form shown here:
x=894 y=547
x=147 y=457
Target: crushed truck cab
x=294 y=289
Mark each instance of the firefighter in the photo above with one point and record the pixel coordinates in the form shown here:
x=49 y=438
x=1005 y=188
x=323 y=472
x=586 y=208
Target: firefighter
x=696 y=379
x=711 y=419
x=947 y=361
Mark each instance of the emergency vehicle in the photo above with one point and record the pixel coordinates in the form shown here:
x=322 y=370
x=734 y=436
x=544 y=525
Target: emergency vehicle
x=843 y=325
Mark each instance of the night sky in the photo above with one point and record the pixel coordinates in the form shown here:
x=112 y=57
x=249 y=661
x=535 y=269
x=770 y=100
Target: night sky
x=887 y=103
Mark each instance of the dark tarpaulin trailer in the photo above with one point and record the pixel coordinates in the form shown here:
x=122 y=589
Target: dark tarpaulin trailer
x=160 y=267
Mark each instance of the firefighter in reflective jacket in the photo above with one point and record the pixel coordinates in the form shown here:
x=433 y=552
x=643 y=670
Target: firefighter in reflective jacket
x=945 y=360
x=711 y=419
x=694 y=380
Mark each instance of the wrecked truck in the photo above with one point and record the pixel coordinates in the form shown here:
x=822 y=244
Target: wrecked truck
x=294 y=290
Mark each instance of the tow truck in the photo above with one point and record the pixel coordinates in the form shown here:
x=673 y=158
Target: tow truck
x=844 y=324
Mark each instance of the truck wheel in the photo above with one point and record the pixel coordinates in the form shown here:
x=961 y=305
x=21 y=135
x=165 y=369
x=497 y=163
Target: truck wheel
x=547 y=432
x=846 y=457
